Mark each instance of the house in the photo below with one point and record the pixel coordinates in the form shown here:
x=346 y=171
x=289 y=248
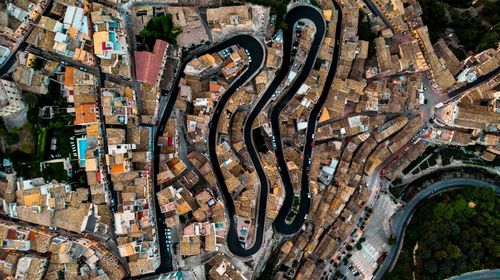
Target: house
x=149 y=65
x=86 y=114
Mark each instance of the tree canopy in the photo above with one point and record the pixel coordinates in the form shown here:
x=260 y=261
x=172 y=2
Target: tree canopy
x=456 y=232
x=162 y=28
x=476 y=31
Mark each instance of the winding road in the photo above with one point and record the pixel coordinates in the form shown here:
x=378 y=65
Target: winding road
x=257 y=52
x=280 y=223
x=486 y=274
x=294 y=15
x=402 y=218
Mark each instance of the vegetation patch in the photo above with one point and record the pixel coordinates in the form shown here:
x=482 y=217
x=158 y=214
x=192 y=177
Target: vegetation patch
x=259 y=141
x=475 y=25
x=429 y=150
x=161 y=28
x=451 y=234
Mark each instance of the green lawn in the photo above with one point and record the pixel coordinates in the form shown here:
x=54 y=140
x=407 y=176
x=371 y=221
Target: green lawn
x=41 y=143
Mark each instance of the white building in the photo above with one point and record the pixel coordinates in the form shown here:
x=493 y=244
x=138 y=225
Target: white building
x=11 y=101
x=4 y=54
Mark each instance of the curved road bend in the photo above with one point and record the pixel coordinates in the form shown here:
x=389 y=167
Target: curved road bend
x=166 y=261
x=315 y=16
x=280 y=223
x=486 y=274
x=403 y=217
x=256 y=50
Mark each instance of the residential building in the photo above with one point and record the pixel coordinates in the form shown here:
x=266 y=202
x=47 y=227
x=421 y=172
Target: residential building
x=11 y=101
x=149 y=65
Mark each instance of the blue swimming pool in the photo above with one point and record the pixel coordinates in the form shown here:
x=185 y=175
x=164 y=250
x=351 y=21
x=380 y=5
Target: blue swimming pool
x=82 y=149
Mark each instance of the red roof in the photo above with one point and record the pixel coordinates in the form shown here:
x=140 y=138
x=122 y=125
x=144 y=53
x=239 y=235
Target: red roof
x=148 y=64
x=104 y=47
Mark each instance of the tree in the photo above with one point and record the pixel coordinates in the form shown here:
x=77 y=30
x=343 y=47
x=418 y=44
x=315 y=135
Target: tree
x=392 y=240
x=441 y=254
x=161 y=28
x=445 y=268
x=425 y=253
x=452 y=238
x=56 y=124
x=31 y=99
x=430 y=266
x=489 y=12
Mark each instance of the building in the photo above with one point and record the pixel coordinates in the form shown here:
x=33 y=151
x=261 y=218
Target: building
x=86 y=114
x=149 y=65
x=110 y=40
x=220 y=17
x=10 y=99
x=4 y=54
x=31 y=268
x=221 y=268
x=28 y=79
x=189 y=19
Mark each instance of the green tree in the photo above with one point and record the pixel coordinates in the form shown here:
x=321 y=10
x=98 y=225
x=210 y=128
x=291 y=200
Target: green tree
x=489 y=12
x=392 y=240
x=425 y=253
x=430 y=266
x=162 y=28
x=441 y=254
x=453 y=237
x=31 y=99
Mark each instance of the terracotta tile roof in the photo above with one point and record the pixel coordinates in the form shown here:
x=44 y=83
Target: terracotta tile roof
x=117 y=168
x=148 y=64
x=68 y=76
x=85 y=114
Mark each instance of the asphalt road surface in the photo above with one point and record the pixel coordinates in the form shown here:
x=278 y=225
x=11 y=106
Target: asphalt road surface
x=487 y=274
x=373 y=8
x=280 y=223
x=402 y=218
x=257 y=52
x=456 y=93
x=243 y=40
